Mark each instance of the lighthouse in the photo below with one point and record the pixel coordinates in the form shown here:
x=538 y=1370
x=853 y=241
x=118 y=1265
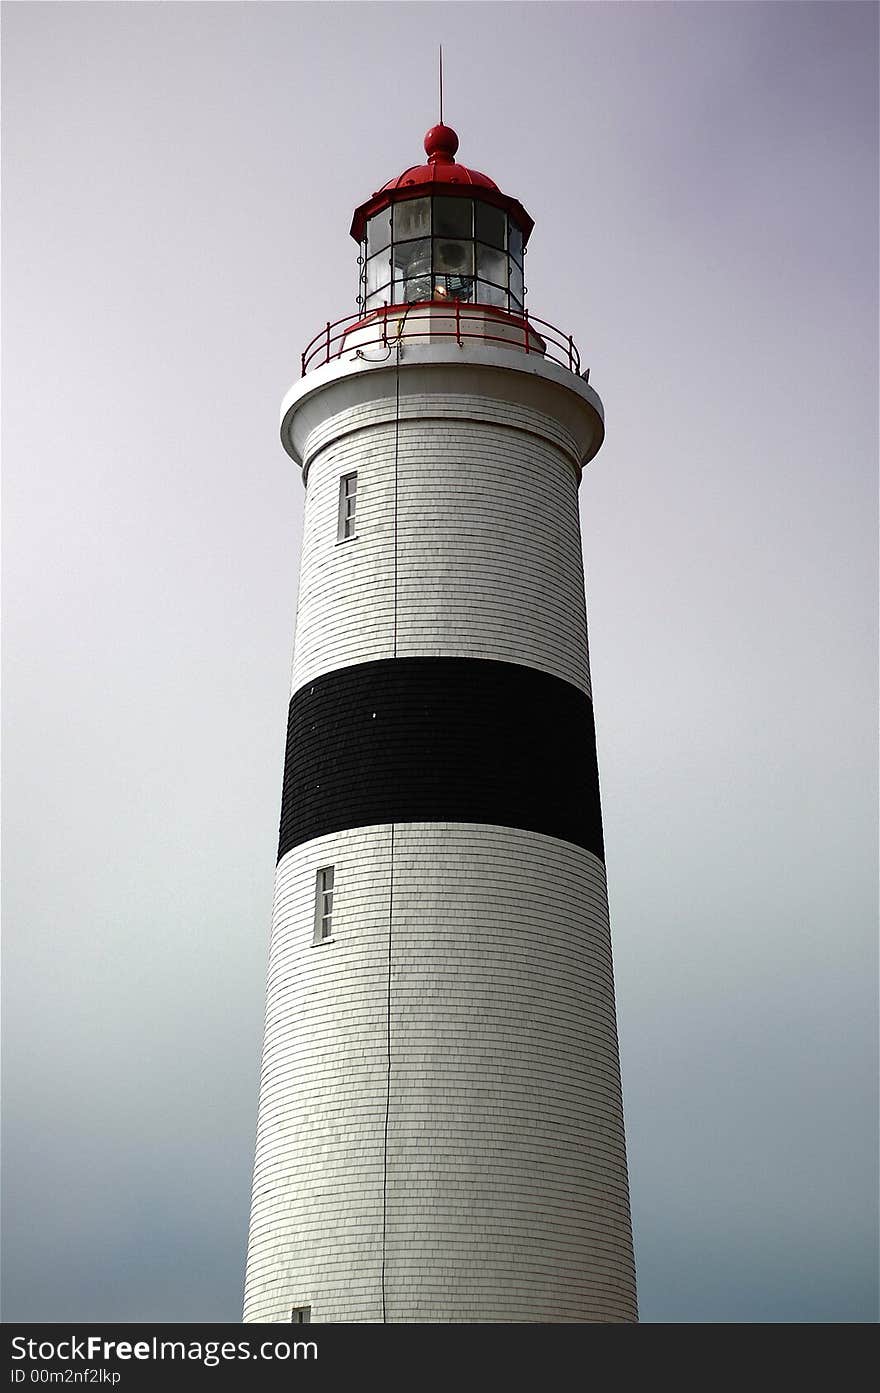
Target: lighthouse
x=440 y=1133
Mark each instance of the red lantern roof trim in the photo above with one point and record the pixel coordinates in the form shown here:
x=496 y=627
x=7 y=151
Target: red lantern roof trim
x=440 y=175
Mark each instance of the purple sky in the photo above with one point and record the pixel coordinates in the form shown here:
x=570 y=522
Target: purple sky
x=178 y=186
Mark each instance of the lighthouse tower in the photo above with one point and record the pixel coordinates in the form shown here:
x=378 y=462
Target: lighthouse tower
x=440 y=1133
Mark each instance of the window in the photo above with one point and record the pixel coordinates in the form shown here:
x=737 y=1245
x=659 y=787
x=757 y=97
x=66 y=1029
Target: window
x=443 y=248
x=347 y=504
x=379 y=232
x=453 y=217
x=516 y=287
x=378 y=273
x=412 y=219
x=301 y=1315
x=490 y=226
x=324 y=904
x=412 y=271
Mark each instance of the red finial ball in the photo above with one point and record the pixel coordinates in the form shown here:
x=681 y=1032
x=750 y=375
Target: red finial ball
x=441 y=143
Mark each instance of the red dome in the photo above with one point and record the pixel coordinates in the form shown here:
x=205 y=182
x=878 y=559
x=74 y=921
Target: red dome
x=441 y=145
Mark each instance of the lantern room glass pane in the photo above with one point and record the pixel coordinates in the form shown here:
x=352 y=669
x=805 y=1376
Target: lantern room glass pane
x=491 y=295
x=453 y=287
x=412 y=218
x=379 y=232
x=515 y=242
x=491 y=265
x=378 y=271
x=453 y=217
x=453 y=258
x=380 y=297
x=412 y=270
x=516 y=283
x=412 y=258
x=406 y=292
x=490 y=225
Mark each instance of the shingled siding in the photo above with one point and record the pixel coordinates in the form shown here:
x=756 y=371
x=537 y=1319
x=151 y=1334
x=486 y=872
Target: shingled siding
x=506 y=1171
x=441 y=759
x=488 y=547
x=441 y=739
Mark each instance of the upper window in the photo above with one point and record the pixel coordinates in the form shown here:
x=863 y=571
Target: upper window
x=443 y=248
x=324 y=904
x=347 y=507
x=301 y=1315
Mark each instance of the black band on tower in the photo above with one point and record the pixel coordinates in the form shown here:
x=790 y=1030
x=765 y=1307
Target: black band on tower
x=441 y=740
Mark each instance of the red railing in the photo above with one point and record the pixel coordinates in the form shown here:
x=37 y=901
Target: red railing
x=395 y=323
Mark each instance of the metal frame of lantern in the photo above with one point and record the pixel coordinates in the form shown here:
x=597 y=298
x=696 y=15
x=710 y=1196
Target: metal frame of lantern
x=463 y=247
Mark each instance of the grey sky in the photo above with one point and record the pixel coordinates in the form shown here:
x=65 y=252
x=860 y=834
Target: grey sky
x=178 y=187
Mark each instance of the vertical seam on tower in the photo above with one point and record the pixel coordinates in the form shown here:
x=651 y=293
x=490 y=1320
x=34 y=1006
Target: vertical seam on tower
x=396 y=457
x=391 y=879
x=387 y=1086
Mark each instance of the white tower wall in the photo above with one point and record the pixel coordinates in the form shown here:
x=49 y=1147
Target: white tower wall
x=488 y=536
x=440 y=1134
x=506 y=1188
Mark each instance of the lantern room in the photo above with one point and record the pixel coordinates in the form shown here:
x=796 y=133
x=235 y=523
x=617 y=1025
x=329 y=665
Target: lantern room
x=441 y=232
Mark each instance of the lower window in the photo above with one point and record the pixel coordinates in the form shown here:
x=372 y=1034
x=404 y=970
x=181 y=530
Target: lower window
x=323 y=904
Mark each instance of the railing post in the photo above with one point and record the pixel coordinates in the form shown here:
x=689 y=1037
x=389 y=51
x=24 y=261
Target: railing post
x=570 y=353
x=385 y=326
x=327 y=352
x=526 y=318
x=458 y=322
x=303 y=363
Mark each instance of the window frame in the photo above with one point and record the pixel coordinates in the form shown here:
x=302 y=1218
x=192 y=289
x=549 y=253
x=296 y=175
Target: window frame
x=324 y=890
x=346 y=517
